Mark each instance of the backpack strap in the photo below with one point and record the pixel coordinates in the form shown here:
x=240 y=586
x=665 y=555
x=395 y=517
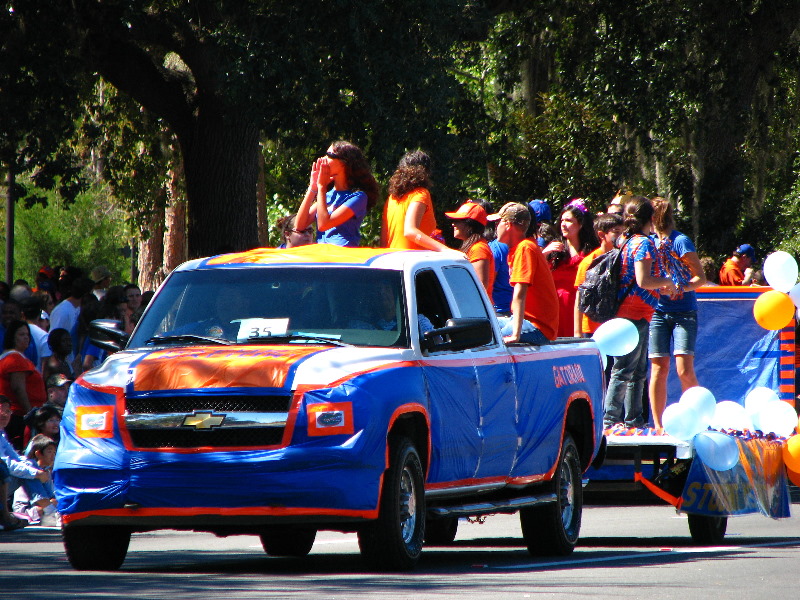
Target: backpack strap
x=629 y=287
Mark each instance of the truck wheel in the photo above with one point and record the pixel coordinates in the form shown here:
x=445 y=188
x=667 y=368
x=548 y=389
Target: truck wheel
x=288 y=541
x=552 y=529
x=393 y=542
x=442 y=531
x=96 y=548
x=706 y=530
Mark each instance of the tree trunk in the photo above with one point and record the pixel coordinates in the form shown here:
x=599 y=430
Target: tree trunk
x=175 y=250
x=261 y=203
x=11 y=200
x=220 y=162
x=151 y=251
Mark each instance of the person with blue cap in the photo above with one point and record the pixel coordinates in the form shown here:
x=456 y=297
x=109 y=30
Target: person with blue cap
x=738 y=269
x=541 y=209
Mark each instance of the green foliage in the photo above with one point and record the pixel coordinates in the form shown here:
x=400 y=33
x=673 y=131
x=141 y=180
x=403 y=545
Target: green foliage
x=39 y=83
x=133 y=152
x=563 y=153
x=86 y=233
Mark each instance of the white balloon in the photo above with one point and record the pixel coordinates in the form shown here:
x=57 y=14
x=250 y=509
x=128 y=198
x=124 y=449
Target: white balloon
x=616 y=337
x=778 y=417
x=755 y=400
x=702 y=401
x=794 y=294
x=780 y=271
x=730 y=415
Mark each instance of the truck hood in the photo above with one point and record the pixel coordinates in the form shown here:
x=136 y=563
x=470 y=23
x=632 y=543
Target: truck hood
x=195 y=367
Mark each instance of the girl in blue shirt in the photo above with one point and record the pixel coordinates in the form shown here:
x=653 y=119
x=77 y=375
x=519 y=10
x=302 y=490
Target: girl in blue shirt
x=341 y=190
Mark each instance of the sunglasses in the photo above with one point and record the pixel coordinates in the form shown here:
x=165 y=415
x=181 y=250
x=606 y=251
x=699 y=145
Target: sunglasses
x=306 y=231
x=333 y=155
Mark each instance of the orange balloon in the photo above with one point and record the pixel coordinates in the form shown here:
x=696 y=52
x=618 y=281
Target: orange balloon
x=793 y=477
x=791 y=453
x=773 y=310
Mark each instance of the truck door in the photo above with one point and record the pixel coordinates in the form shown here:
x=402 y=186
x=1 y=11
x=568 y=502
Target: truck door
x=453 y=394
x=496 y=386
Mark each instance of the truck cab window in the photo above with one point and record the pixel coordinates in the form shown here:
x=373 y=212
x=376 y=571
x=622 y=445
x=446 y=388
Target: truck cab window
x=470 y=301
x=431 y=301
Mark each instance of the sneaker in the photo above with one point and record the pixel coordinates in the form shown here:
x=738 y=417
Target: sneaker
x=52 y=519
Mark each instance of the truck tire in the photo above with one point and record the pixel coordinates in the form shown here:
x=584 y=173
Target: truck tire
x=707 y=530
x=441 y=531
x=552 y=529
x=288 y=541
x=100 y=548
x=393 y=542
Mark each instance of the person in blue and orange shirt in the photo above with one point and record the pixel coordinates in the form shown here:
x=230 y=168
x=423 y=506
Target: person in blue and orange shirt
x=534 y=298
x=641 y=282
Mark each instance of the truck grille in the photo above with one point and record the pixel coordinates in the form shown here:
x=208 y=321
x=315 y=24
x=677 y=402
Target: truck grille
x=206 y=421
x=215 y=438
x=216 y=403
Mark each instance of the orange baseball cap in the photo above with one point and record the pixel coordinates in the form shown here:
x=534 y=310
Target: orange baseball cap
x=469 y=210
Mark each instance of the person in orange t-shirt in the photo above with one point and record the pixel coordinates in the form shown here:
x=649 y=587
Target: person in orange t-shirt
x=408 y=219
x=607 y=227
x=738 y=270
x=528 y=269
x=469 y=222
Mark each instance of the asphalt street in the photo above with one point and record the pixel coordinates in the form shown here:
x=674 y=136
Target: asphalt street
x=624 y=552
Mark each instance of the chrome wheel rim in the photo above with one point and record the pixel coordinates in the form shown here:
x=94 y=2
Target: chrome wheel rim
x=408 y=505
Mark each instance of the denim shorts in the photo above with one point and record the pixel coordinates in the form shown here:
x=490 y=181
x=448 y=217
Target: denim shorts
x=677 y=327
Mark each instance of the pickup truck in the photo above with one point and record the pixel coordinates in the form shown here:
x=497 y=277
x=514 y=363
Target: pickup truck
x=281 y=392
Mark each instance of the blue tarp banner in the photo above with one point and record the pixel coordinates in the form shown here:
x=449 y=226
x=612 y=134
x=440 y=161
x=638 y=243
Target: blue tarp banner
x=735 y=354
x=757 y=484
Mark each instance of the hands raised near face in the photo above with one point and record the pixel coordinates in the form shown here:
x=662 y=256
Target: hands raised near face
x=320 y=172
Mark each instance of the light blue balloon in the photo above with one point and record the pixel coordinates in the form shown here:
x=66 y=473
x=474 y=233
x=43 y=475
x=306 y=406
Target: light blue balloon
x=717 y=450
x=682 y=421
x=616 y=337
x=701 y=400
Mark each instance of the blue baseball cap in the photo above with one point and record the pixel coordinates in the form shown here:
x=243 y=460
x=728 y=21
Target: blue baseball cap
x=541 y=209
x=747 y=250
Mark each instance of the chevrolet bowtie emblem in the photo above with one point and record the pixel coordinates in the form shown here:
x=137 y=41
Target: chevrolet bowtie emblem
x=203 y=420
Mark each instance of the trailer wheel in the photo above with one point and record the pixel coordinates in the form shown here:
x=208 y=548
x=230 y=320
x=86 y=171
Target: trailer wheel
x=99 y=548
x=288 y=541
x=393 y=542
x=706 y=530
x=441 y=531
x=553 y=529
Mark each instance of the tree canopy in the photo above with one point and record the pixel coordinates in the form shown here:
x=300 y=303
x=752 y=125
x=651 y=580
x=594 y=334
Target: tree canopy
x=693 y=100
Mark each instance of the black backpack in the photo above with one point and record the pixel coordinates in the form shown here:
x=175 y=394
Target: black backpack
x=597 y=295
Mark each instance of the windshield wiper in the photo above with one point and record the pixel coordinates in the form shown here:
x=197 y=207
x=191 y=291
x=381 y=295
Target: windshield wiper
x=188 y=337
x=300 y=336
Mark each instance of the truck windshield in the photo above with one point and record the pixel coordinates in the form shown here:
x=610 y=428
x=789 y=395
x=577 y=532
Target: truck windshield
x=267 y=305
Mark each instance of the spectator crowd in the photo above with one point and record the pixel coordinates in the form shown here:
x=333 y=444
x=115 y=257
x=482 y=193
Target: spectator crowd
x=44 y=327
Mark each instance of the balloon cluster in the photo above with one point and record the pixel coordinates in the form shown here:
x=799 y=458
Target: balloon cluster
x=698 y=410
x=776 y=308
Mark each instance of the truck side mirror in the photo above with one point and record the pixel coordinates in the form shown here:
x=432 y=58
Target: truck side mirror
x=108 y=335
x=459 y=334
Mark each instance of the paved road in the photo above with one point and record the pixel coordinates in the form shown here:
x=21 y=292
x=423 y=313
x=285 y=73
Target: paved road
x=625 y=552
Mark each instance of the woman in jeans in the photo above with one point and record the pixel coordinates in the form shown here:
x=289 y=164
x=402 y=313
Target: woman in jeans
x=640 y=285
x=675 y=317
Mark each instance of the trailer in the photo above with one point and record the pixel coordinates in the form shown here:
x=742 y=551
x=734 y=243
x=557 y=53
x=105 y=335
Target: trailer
x=734 y=355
